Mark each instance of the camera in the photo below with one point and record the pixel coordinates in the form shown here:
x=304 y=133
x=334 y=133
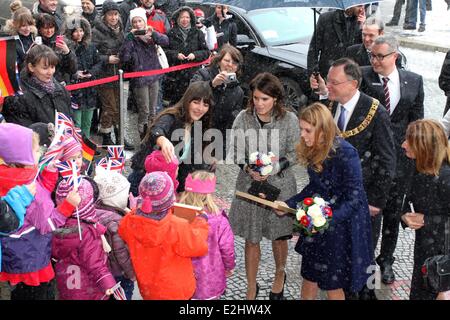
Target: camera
x=59 y=39
x=141 y=32
x=231 y=77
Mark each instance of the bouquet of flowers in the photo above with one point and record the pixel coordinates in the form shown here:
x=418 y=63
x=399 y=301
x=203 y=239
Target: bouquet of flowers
x=313 y=215
x=261 y=162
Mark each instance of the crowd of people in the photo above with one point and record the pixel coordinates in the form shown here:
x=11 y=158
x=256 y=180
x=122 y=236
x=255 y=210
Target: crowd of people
x=367 y=149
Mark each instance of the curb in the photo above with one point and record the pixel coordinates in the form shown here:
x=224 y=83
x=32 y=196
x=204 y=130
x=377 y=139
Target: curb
x=422 y=45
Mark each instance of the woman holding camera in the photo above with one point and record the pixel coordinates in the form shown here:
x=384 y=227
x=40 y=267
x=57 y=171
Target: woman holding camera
x=48 y=30
x=186 y=45
x=221 y=75
x=265 y=126
x=138 y=52
x=427 y=206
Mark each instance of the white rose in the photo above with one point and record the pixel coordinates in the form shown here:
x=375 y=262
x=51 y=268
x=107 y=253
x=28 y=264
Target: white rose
x=314 y=211
x=253 y=157
x=265 y=159
x=319 y=221
x=266 y=170
x=300 y=214
x=319 y=201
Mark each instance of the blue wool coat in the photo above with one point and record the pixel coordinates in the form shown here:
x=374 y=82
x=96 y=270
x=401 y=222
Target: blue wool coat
x=339 y=257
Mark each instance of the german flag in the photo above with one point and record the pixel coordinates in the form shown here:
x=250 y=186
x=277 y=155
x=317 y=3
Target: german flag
x=8 y=79
x=88 y=148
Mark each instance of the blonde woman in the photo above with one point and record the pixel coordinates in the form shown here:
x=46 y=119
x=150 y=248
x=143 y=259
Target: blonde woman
x=427 y=144
x=212 y=269
x=337 y=259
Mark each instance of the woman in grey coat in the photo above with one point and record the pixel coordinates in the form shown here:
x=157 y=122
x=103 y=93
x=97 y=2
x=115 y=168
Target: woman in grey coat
x=268 y=127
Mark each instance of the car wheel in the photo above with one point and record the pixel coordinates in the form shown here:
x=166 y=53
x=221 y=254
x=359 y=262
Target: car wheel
x=295 y=99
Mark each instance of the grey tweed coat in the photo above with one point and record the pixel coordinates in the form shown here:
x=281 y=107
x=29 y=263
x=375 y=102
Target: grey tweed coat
x=248 y=219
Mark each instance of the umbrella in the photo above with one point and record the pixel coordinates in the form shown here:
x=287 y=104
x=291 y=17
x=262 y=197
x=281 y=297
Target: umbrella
x=260 y=4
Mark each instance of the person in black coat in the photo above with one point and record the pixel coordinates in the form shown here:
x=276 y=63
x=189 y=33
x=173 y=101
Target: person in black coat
x=169 y=131
x=405 y=100
x=90 y=13
x=226 y=29
x=427 y=208
x=228 y=95
x=444 y=80
x=50 y=33
x=186 y=44
x=360 y=53
x=335 y=31
x=78 y=33
x=42 y=94
x=364 y=123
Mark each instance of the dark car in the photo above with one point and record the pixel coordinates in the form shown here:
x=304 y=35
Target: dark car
x=274 y=40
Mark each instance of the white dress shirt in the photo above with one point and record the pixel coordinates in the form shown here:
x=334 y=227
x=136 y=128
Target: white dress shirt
x=349 y=107
x=394 y=88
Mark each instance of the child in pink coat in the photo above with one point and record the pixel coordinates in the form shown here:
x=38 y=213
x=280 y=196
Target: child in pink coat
x=212 y=269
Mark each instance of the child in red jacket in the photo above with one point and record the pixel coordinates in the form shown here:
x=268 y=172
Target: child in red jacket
x=162 y=245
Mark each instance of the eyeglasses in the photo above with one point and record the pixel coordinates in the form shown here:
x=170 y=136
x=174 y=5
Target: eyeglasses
x=379 y=57
x=335 y=83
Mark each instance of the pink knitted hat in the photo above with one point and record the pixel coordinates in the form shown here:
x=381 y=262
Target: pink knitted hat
x=157 y=192
x=86 y=208
x=155 y=161
x=70 y=148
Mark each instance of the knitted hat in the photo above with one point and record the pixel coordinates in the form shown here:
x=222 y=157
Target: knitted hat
x=155 y=161
x=86 y=209
x=93 y=2
x=113 y=187
x=199 y=13
x=16 y=144
x=138 y=12
x=157 y=192
x=109 y=5
x=70 y=148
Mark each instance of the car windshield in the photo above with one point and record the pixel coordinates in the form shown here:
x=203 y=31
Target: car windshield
x=280 y=26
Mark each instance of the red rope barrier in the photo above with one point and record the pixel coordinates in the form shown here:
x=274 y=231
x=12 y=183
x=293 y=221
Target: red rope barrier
x=130 y=75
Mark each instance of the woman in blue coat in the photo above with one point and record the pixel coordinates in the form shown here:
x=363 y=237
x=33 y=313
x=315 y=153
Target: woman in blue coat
x=340 y=257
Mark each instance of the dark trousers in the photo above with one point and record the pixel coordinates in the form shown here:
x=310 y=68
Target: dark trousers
x=45 y=291
x=398 y=11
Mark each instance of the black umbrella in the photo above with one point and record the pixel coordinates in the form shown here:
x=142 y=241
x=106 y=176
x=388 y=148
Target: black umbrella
x=260 y=4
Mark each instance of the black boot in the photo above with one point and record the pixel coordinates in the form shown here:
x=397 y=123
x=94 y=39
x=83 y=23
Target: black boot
x=126 y=145
x=107 y=141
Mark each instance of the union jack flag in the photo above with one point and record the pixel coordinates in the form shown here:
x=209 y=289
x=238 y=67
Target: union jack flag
x=116 y=153
x=118 y=292
x=51 y=154
x=69 y=127
x=67 y=169
x=116 y=165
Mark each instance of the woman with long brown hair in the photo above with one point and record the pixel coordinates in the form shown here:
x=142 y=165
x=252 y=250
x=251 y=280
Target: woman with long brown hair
x=268 y=127
x=429 y=194
x=338 y=258
x=175 y=126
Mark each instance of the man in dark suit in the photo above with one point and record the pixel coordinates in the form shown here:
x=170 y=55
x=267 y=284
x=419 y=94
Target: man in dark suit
x=364 y=123
x=371 y=30
x=444 y=80
x=401 y=92
x=335 y=31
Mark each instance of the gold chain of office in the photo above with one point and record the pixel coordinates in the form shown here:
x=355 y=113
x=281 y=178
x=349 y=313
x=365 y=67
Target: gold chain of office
x=364 y=124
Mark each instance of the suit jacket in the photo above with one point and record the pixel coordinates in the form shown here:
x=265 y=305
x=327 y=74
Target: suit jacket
x=332 y=40
x=444 y=80
x=409 y=108
x=358 y=53
x=375 y=147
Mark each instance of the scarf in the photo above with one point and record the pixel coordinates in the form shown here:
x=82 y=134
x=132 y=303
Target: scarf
x=48 y=87
x=185 y=32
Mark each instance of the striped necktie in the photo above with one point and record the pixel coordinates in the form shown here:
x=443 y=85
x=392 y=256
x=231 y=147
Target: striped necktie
x=342 y=116
x=386 y=95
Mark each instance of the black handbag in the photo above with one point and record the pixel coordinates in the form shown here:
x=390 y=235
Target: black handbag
x=270 y=192
x=436 y=269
